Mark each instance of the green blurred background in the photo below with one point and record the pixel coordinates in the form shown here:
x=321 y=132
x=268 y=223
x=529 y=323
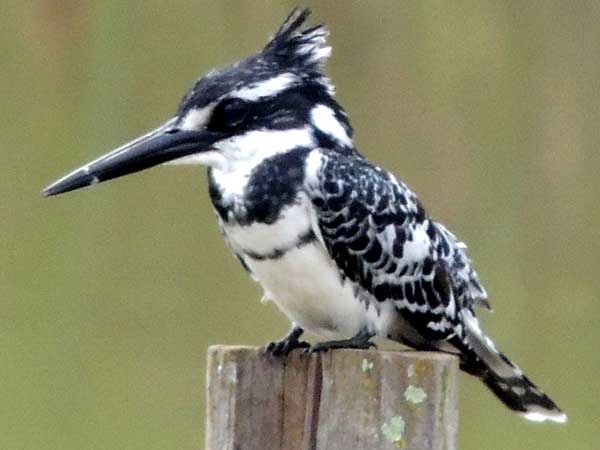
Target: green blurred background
x=109 y=297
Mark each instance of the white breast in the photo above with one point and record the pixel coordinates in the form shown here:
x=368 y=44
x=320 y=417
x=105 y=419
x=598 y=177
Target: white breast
x=261 y=238
x=308 y=288
x=305 y=282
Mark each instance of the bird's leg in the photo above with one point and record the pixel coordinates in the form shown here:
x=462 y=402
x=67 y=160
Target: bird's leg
x=288 y=343
x=361 y=341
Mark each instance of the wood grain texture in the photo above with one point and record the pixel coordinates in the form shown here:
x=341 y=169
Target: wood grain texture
x=340 y=400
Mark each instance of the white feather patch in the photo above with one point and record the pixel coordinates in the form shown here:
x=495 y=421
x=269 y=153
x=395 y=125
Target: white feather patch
x=263 y=238
x=314 y=162
x=196 y=118
x=256 y=145
x=543 y=415
x=417 y=249
x=324 y=119
x=210 y=159
x=266 y=88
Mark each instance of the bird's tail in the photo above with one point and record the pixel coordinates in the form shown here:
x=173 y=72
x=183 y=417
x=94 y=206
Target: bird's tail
x=504 y=378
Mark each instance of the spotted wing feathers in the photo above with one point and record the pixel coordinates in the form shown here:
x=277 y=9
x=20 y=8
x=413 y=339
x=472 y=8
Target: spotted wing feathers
x=379 y=235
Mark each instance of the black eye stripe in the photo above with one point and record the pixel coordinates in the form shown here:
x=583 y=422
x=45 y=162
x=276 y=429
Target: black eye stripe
x=287 y=109
x=234 y=107
x=228 y=114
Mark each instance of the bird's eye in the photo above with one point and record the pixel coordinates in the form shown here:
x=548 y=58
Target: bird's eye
x=229 y=114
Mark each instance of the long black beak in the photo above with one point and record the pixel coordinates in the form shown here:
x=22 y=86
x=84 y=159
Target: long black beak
x=161 y=145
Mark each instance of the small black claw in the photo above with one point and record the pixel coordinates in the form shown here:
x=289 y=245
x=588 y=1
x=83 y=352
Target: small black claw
x=284 y=347
x=287 y=344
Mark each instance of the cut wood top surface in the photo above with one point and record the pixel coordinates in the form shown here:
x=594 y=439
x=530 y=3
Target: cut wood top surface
x=342 y=399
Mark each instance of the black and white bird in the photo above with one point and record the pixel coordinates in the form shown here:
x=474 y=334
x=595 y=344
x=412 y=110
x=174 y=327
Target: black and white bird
x=341 y=246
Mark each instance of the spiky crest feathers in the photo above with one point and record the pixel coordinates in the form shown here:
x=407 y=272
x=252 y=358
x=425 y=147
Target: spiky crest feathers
x=293 y=55
x=292 y=47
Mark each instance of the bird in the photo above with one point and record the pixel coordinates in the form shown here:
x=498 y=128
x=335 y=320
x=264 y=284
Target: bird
x=343 y=248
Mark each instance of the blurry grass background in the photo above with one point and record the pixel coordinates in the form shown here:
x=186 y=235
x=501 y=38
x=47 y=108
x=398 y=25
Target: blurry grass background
x=109 y=297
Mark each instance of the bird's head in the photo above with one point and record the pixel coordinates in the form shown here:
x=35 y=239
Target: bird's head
x=271 y=102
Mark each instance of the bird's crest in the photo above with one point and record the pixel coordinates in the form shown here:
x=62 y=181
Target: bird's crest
x=296 y=48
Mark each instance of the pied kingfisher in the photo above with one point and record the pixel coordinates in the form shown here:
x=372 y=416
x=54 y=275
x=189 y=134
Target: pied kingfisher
x=341 y=246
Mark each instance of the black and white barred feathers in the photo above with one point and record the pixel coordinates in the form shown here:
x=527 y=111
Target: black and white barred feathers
x=382 y=239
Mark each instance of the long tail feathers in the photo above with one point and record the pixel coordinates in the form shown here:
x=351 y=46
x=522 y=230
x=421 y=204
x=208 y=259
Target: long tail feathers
x=504 y=378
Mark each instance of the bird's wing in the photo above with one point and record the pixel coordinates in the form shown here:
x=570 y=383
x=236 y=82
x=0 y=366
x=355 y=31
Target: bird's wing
x=380 y=237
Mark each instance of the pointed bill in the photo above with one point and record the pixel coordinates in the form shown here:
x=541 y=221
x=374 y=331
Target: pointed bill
x=161 y=145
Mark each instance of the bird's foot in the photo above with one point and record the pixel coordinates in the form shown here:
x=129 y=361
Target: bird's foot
x=287 y=344
x=361 y=341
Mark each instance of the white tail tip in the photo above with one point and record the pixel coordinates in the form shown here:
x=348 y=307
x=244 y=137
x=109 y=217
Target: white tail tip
x=543 y=416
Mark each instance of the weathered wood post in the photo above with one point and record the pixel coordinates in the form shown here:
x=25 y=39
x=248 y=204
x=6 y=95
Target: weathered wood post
x=339 y=400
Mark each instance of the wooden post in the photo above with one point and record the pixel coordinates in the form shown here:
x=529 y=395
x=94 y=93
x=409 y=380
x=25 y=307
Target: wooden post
x=339 y=400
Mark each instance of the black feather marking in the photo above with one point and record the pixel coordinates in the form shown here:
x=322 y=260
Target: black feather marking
x=292 y=22
x=357 y=203
x=293 y=47
x=304 y=239
x=272 y=186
